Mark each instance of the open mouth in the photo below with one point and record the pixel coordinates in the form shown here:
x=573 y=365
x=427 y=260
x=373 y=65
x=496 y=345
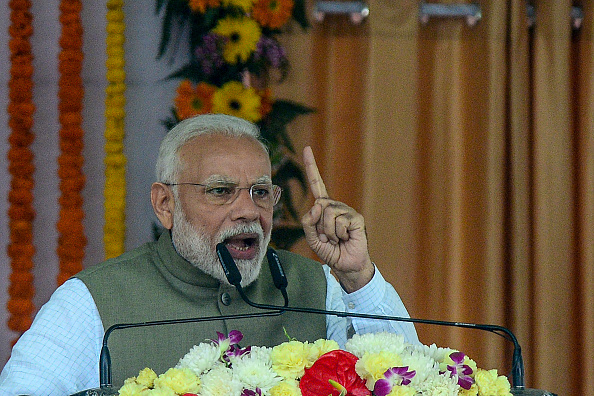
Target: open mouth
x=243 y=246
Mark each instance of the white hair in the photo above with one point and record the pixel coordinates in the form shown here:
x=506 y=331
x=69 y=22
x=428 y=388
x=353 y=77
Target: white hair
x=168 y=164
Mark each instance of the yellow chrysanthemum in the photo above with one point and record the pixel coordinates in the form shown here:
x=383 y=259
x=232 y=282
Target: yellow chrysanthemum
x=191 y=101
x=245 y=5
x=289 y=359
x=286 y=388
x=202 y=5
x=372 y=366
x=146 y=377
x=489 y=383
x=179 y=380
x=318 y=348
x=273 y=13
x=473 y=391
x=400 y=390
x=243 y=35
x=236 y=100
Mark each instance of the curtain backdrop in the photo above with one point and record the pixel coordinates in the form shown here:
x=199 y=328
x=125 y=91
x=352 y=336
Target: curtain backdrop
x=470 y=151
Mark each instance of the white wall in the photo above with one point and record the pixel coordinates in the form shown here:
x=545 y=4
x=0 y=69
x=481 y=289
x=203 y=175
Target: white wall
x=149 y=99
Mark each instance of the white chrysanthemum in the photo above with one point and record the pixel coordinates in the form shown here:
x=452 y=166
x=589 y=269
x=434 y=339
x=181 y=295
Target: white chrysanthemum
x=438 y=354
x=422 y=364
x=438 y=385
x=201 y=358
x=220 y=382
x=260 y=353
x=375 y=343
x=255 y=373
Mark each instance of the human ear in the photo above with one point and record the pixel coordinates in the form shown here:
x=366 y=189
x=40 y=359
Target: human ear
x=163 y=203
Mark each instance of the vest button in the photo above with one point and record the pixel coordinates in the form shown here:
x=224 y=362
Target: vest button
x=226 y=299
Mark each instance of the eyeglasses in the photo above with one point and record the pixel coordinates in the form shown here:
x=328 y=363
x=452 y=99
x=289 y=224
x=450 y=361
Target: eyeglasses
x=263 y=195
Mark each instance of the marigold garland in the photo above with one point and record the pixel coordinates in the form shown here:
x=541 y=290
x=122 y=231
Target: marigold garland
x=71 y=237
x=115 y=161
x=20 y=165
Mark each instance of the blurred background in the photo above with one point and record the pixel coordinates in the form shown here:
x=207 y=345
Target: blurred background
x=468 y=148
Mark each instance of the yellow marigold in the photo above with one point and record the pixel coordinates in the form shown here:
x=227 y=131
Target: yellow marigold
x=146 y=377
x=179 y=380
x=490 y=384
x=372 y=366
x=245 y=5
x=289 y=359
x=273 y=13
x=236 y=100
x=286 y=388
x=243 y=34
x=191 y=101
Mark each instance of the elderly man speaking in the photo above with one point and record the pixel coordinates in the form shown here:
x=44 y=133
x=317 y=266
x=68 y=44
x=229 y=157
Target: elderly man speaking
x=214 y=185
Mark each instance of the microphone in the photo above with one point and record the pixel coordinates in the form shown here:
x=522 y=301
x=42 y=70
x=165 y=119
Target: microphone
x=230 y=268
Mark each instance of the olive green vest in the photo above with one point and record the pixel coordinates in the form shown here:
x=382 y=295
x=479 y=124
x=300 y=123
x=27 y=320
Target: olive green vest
x=154 y=283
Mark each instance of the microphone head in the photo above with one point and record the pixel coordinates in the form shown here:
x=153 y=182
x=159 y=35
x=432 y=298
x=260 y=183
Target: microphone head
x=229 y=267
x=276 y=269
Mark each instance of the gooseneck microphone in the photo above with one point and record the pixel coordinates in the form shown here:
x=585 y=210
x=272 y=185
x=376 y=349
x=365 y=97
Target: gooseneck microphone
x=234 y=278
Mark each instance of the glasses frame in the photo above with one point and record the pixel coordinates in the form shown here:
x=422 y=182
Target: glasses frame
x=276 y=192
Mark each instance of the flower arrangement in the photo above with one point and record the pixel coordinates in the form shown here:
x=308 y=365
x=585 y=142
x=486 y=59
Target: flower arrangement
x=380 y=364
x=114 y=192
x=21 y=167
x=233 y=56
x=71 y=239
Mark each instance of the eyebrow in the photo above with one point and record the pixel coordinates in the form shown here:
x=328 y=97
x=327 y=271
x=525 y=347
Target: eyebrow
x=227 y=180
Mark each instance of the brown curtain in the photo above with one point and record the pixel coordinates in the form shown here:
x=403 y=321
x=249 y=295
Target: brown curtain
x=470 y=151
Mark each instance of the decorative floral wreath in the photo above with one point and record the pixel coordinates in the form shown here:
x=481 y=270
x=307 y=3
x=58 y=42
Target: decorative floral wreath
x=20 y=165
x=71 y=238
x=380 y=364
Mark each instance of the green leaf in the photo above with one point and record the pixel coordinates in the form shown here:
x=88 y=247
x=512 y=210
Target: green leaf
x=300 y=14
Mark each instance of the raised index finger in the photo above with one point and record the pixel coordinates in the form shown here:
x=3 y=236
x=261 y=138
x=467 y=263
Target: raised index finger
x=318 y=188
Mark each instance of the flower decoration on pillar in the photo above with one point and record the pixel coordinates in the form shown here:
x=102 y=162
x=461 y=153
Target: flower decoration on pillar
x=71 y=238
x=114 y=192
x=20 y=165
x=233 y=57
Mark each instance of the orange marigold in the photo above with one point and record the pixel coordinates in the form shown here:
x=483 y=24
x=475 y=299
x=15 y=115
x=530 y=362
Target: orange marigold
x=191 y=101
x=201 y=5
x=273 y=13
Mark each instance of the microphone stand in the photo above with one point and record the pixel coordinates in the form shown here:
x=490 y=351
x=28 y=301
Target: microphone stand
x=234 y=278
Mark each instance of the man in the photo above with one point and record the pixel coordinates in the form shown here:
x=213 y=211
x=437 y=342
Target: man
x=214 y=185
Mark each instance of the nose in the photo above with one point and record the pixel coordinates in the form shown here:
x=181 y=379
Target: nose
x=244 y=208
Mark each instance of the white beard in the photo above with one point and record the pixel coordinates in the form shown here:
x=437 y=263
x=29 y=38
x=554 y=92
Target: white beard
x=195 y=246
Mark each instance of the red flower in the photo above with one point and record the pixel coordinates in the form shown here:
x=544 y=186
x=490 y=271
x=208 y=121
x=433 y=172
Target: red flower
x=337 y=366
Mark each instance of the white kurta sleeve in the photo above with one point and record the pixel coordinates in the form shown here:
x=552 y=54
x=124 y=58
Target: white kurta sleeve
x=378 y=297
x=59 y=354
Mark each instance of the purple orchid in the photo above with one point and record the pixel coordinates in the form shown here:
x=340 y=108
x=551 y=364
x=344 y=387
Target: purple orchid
x=249 y=392
x=461 y=370
x=229 y=345
x=392 y=377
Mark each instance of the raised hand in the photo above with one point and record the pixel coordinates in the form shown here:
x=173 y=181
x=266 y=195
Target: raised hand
x=336 y=232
